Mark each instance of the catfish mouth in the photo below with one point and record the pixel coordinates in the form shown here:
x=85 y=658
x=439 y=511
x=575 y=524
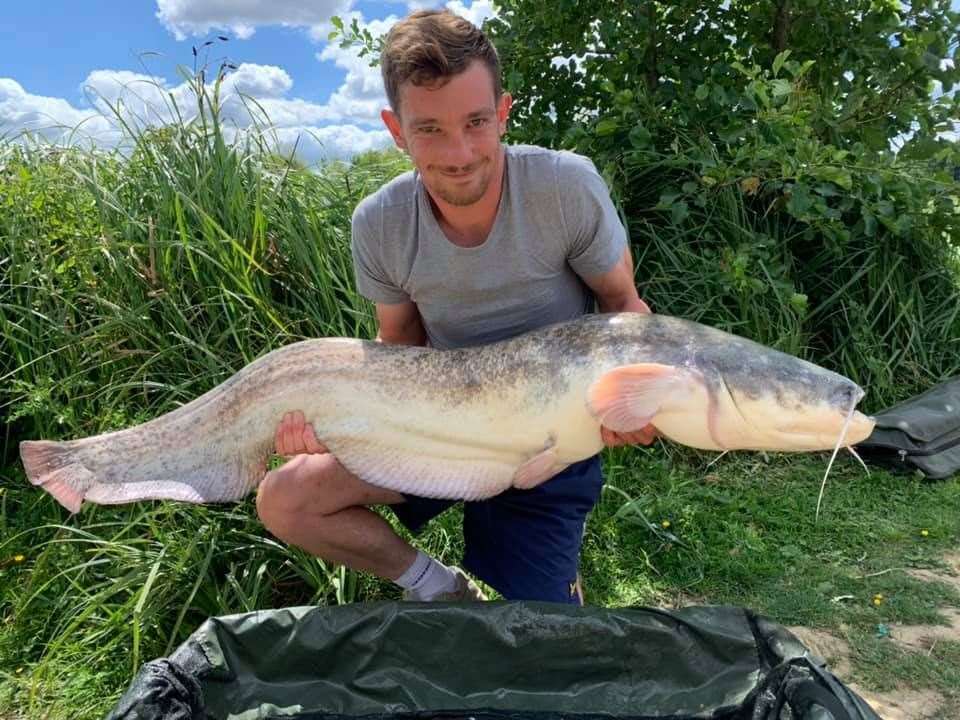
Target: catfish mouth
x=822 y=431
x=793 y=421
x=833 y=420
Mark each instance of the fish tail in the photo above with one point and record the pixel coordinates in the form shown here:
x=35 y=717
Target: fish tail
x=54 y=467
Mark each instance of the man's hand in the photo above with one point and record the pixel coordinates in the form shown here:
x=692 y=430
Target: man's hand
x=295 y=436
x=643 y=436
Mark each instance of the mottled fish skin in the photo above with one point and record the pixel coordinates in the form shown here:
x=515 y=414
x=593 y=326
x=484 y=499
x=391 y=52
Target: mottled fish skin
x=458 y=423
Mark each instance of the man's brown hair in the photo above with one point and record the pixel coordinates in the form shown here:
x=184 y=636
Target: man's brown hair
x=430 y=46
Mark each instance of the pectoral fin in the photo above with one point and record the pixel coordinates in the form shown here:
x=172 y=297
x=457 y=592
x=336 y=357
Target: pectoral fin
x=628 y=397
x=539 y=468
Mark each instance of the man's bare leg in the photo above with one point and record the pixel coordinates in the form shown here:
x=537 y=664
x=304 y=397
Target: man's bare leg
x=315 y=503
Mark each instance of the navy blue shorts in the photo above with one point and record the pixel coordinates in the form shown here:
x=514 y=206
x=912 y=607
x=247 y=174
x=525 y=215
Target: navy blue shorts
x=523 y=543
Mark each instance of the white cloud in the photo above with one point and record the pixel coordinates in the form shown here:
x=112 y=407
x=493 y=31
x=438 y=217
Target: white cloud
x=146 y=101
x=48 y=117
x=477 y=12
x=265 y=81
x=242 y=17
x=348 y=122
x=333 y=142
x=361 y=96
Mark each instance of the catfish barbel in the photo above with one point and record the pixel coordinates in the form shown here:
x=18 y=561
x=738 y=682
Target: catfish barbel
x=465 y=423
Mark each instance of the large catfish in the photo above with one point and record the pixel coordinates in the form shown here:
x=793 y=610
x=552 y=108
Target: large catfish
x=466 y=423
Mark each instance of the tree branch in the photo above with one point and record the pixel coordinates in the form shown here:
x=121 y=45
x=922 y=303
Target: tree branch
x=781 y=26
x=650 y=61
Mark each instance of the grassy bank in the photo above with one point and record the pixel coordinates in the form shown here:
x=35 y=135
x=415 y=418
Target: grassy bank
x=97 y=594
x=131 y=284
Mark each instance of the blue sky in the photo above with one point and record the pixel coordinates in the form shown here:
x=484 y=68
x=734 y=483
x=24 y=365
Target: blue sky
x=324 y=99
x=59 y=62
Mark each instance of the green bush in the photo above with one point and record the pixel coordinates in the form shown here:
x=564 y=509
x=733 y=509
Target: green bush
x=749 y=145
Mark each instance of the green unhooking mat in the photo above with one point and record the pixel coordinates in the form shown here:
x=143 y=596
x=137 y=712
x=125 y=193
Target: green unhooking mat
x=921 y=434
x=481 y=661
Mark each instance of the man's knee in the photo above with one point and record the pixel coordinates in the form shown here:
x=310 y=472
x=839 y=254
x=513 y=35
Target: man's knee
x=293 y=489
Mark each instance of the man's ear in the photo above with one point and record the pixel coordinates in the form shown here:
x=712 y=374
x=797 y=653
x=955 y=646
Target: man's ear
x=392 y=121
x=503 y=111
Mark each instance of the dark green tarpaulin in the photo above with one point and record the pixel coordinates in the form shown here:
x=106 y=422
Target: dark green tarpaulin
x=484 y=660
x=919 y=434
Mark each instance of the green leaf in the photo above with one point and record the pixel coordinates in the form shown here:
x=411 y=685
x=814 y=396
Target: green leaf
x=803 y=69
x=779 y=60
x=679 y=212
x=869 y=221
x=702 y=92
x=733 y=132
x=639 y=136
x=836 y=175
x=607 y=126
x=667 y=198
x=875 y=138
x=800 y=201
x=760 y=92
x=337 y=22
x=781 y=87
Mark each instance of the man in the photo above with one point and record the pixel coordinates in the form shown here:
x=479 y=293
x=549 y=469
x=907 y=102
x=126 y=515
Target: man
x=482 y=242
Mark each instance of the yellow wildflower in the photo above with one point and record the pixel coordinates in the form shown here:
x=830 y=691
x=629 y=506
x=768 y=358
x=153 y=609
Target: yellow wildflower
x=924 y=532
x=18 y=558
x=665 y=524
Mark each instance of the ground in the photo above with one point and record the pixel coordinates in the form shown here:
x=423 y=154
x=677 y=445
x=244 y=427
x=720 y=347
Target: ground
x=903 y=702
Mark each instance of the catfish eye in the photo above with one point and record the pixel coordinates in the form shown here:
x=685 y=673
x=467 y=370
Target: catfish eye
x=846 y=396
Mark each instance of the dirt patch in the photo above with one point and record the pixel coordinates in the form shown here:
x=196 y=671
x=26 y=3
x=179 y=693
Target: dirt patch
x=923 y=638
x=831 y=648
x=952 y=579
x=903 y=703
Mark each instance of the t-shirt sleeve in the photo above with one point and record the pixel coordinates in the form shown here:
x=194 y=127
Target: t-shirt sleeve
x=596 y=237
x=369 y=266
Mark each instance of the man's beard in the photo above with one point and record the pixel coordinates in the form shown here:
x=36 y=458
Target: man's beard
x=471 y=193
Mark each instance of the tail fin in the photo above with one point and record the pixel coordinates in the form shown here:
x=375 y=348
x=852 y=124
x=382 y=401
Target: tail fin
x=52 y=466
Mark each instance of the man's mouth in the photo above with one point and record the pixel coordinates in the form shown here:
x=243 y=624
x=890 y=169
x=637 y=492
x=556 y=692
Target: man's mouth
x=460 y=174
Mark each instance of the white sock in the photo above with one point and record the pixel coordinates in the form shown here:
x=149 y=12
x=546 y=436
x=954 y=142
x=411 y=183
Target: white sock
x=426 y=578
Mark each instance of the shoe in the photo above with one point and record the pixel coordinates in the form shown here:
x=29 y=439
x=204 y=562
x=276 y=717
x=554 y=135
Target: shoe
x=466 y=590
x=578 y=588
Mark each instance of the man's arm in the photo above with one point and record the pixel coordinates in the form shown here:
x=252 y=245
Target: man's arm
x=400 y=324
x=616 y=292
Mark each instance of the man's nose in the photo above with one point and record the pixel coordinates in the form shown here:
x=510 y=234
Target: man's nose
x=459 y=150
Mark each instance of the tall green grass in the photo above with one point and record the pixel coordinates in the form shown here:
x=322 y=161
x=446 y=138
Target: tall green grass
x=881 y=307
x=131 y=283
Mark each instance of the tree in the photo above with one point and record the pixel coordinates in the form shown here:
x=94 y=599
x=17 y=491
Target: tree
x=870 y=64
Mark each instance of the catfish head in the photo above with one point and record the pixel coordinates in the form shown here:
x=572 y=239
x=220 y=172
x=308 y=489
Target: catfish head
x=713 y=390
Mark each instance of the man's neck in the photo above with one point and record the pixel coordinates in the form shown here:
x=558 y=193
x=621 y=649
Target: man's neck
x=469 y=226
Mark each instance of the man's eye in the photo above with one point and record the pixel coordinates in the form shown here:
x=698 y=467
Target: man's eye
x=478 y=122
x=426 y=130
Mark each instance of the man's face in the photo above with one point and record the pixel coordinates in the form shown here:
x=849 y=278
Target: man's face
x=452 y=133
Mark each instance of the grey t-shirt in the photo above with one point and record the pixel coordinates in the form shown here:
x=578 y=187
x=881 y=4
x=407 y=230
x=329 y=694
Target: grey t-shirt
x=555 y=224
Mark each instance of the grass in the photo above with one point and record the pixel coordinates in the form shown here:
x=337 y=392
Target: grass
x=102 y=592
x=131 y=284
